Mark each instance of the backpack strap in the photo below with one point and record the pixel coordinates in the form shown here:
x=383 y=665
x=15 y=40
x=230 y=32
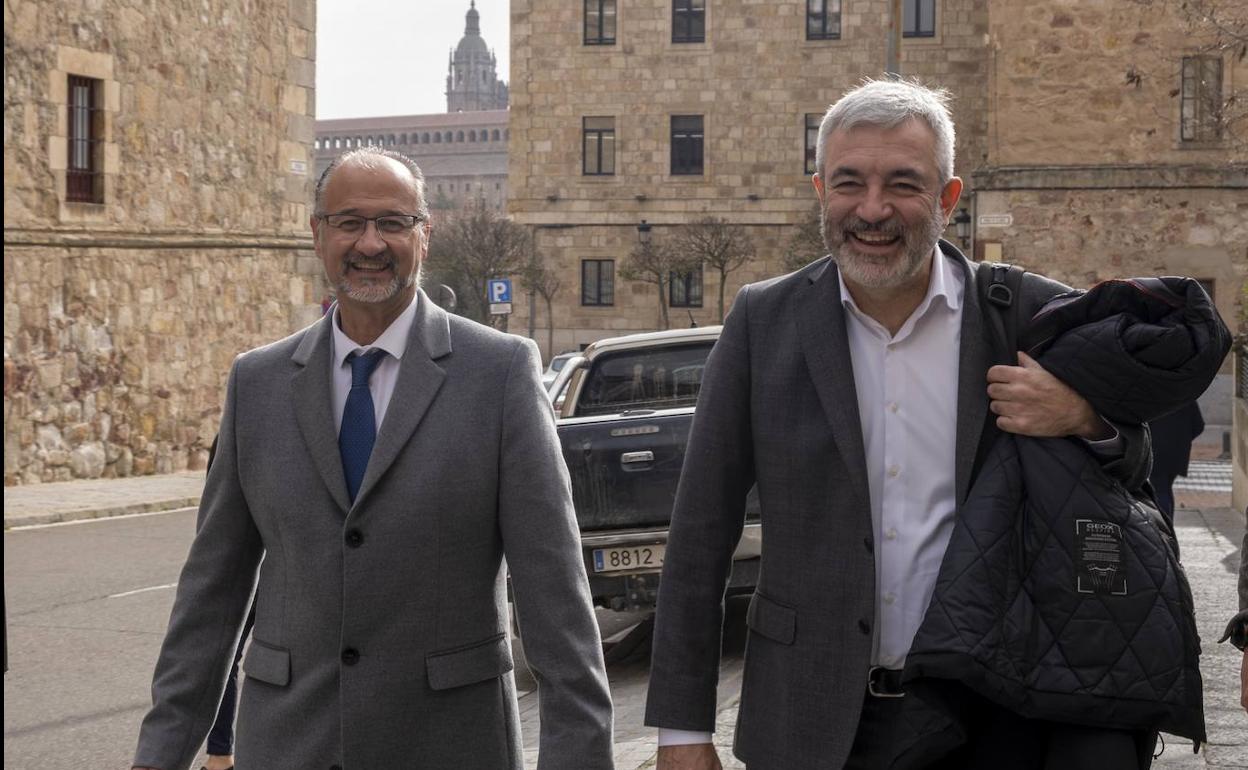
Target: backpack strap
x=999 y=300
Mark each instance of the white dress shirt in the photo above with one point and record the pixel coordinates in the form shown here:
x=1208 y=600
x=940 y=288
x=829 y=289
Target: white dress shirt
x=381 y=385
x=907 y=387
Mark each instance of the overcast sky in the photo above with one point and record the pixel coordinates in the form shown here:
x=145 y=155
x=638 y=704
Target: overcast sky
x=388 y=57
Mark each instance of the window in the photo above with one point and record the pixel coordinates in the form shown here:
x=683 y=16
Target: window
x=686 y=144
x=812 y=141
x=918 y=18
x=688 y=21
x=685 y=289
x=1201 y=110
x=494 y=135
x=84 y=179
x=599 y=22
x=459 y=136
x=597 y=282
x=599 y=143
x=823 y=19
x=424 y=138
x=655 y=378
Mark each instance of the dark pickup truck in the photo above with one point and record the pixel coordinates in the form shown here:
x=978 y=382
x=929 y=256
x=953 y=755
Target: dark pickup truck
x=624 y=409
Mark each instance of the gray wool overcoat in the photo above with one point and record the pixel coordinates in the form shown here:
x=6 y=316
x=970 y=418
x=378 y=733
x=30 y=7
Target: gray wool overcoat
x=380 y=637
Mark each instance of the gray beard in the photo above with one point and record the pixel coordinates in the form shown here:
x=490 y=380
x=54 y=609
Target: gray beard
x=863 y=272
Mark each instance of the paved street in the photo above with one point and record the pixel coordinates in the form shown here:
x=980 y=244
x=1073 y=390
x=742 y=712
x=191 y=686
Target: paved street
x=88 y=602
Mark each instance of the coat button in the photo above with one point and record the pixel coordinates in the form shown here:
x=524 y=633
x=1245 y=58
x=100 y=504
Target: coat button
x=355 y=538
x=864 y=626
x=350 y=656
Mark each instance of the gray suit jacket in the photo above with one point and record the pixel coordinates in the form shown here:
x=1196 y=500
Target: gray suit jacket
x=778 y=407
x=380 y=637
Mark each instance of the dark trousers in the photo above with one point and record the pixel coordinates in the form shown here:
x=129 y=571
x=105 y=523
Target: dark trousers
x=1002 y=740
x=221 y=736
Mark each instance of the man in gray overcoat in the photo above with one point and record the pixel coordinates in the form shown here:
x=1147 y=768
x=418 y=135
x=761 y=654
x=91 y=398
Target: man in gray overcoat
x=374 y=471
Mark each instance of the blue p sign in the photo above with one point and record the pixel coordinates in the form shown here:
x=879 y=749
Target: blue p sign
x=499 y=289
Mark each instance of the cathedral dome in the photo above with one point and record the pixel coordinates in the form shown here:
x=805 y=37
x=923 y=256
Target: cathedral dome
x=472 y=42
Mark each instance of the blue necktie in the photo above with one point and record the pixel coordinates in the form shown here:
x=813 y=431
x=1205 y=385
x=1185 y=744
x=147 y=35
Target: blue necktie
x=359 y=421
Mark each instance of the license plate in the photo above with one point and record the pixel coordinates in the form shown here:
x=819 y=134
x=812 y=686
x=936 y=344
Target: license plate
x=629 y=558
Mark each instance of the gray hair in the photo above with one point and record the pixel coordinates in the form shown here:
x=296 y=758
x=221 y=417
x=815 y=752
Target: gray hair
x=888 y=104
x=371 y=156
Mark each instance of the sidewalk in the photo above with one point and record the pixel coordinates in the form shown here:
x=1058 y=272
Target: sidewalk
x=100 y=498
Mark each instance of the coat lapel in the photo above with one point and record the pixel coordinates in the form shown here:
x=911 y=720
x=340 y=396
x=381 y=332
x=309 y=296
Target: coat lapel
x=311 y=386
x=825 y=345
x=419 y=381
x=973 y=363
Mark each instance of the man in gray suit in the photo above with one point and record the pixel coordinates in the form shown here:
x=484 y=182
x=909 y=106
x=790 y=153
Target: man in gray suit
x=383 y=462
x=854 y=393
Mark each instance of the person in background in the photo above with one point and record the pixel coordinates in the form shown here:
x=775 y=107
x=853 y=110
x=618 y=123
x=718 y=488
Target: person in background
x=1172 y=447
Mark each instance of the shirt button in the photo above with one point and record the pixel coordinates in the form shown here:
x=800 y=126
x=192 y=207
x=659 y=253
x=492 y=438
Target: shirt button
x=864 y=626
x=355 y=538
x=350 y=656
x=891 y=534
x=894 y=470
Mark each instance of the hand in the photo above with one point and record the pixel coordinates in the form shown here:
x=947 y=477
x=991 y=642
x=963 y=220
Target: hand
x=693 y=756
x=1243 y=685
x=1031 y=402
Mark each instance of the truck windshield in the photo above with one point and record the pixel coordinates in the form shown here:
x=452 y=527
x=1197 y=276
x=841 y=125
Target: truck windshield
x=662 y=378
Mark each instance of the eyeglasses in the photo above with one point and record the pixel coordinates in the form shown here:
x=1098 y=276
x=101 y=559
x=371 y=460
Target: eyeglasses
x=390 y=224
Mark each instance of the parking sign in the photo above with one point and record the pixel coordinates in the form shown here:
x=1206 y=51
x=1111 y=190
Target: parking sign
x=499 y=289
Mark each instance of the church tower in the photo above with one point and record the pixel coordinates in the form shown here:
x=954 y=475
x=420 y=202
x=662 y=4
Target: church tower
x=472 y=82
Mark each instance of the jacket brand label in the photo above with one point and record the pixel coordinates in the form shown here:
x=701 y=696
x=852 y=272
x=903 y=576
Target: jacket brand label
x=1098 y=558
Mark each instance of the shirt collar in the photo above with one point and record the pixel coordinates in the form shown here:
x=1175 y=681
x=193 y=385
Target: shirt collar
x=393 y=340
x=941 y=285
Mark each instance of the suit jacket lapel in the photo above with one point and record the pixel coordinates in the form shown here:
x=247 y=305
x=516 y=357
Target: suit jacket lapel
x=973 y=362
x=825 y=345
x=311 y=386
x=419 y=380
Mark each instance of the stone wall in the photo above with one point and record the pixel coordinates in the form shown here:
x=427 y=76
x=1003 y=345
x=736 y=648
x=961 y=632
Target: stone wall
x=121 y=318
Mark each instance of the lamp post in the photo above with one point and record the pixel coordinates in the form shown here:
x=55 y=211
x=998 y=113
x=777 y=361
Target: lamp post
x=962 y=222
x=643 y=234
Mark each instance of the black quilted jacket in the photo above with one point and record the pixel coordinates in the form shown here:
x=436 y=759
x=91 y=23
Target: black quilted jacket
x=1061 y=596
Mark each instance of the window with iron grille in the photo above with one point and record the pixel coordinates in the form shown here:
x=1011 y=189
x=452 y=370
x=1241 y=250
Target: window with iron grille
x=599 y=22
x=812 y=141
x=1201 y=99
x=688 y=21
x=597 y=282
x=686 y=289
x=598 y=141
x=823 y=19
x=687 y=145
x=84 y=178
x=918 y=18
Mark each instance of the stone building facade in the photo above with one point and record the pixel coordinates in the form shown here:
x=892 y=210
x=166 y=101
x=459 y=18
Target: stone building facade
x=156 y=201
x=1070 y=137
x=463 y=153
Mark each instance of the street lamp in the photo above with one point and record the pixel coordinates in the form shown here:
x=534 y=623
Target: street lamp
x=962 y=221
x=643 y=233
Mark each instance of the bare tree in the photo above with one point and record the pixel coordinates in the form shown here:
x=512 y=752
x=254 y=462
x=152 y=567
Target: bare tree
x=1199 y=29
x=538 y=276
x=472 y=246
x=654 y=262
x=715 y=243
x=806 y=242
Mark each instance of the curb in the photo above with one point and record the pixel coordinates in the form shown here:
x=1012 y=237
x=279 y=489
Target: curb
x=86 y=514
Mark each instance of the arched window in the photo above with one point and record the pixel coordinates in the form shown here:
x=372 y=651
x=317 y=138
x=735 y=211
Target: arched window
x=447 y=136
x=403 y=139
x=472 y=136
x=495 y=137
x=424 y=138
x=337 y=142
x=359 y=141
x=506 y=133
x=391 y=138
x=437 y=139
x=459 y=137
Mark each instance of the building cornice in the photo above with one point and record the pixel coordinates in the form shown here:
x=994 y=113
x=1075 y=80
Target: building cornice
x=81 y=239
x=1110 y=177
